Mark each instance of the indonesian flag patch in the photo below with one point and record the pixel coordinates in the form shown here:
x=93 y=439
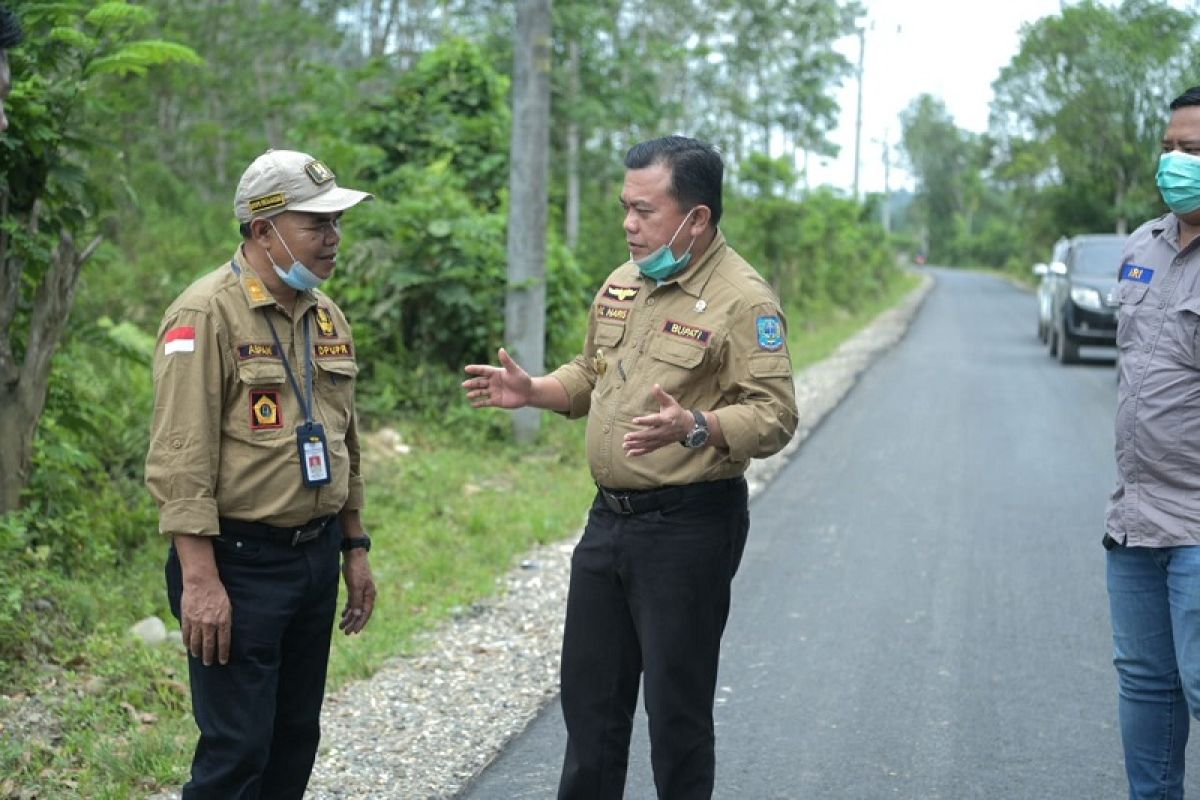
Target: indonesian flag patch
x=180 y=340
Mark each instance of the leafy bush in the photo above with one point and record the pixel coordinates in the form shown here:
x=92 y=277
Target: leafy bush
x=817 y=253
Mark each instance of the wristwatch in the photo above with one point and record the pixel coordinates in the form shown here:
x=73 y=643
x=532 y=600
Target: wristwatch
x=698 y=436
x=363 y=541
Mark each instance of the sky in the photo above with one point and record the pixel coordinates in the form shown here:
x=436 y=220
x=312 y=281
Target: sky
x=952 y=49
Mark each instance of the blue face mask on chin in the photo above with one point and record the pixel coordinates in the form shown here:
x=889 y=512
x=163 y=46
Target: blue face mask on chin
x=1179 y=181
x=662 y=263
x=298 y=276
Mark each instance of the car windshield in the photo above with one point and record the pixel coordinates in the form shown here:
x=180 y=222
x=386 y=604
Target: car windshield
x=1101 y=258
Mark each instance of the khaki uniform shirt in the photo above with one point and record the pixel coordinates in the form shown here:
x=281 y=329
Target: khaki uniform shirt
x=223 y=439
x=1157 y=499
x=714 y=339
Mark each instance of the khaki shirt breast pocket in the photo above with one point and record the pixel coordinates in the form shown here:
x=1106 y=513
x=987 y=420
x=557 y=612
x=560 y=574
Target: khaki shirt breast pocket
x=261 y=409
x=677 y=367
x=334 y=390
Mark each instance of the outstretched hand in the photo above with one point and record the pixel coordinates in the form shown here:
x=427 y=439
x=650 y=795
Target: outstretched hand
x=506 y=386
x=669 y=426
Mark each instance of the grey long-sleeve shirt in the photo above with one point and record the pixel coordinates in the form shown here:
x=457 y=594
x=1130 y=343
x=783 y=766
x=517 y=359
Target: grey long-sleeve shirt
x=1156 y=502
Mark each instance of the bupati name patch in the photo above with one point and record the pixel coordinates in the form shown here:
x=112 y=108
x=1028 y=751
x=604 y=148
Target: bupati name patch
x=621 y=294
x=1133 y=272
x=687 y=331
x=245 y=352
x=265 y=412
x=341 y=350
x=611 y=312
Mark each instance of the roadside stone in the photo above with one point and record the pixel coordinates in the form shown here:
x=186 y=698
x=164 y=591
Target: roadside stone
x=150 y=630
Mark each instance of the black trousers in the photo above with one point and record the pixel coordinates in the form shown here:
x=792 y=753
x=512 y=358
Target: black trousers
x=259 y=715
x=649 y=598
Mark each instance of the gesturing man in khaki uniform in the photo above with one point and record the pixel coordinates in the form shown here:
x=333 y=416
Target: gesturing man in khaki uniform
x=684 y=377
x=254 y=462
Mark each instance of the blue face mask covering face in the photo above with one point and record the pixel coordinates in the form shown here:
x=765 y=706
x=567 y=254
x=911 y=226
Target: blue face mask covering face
x=298 y=276
x=1179 y=181
x=662 y=264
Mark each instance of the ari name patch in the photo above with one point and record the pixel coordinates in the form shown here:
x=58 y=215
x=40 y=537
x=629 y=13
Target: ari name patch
x=687 y=331
x=770 y=333
x=611 y=312
x=325 y=327
x=245 y=352
x=622 y=294
x=264 y=410
x=1132 y=272
x=342 y=350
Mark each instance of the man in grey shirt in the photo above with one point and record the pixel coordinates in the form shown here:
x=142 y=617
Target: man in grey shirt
x=1153 y=520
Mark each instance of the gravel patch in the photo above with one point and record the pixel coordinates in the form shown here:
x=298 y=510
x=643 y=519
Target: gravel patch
x=424 y=725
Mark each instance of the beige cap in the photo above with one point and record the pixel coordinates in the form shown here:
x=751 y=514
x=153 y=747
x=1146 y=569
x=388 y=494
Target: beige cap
x=286 y=180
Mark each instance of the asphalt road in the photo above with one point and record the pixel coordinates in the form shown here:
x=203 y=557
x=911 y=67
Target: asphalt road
x=921 y=609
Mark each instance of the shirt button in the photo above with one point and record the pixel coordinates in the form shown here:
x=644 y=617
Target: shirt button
x=650 y=301
x=176 y=444
x=608 y=428
x=1147 y=348
x=1162 y=304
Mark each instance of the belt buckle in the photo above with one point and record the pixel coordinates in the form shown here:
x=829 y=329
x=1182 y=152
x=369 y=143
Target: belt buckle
x=618 y=503
x=302 y=535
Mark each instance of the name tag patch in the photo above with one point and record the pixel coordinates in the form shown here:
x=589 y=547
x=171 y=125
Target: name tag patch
x=265 y=412
x=245 y=352
x=687 y=331
x=341 y=350
x=621 y=294
x=611 y=312
x=325 y=327
x=770 y=332
x=1133 y=272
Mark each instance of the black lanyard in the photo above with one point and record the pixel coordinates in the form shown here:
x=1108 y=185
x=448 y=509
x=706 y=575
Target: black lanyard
x=306 y=401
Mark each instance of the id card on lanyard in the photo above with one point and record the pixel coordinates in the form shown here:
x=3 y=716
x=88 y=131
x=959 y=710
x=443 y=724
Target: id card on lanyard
x=310 y=437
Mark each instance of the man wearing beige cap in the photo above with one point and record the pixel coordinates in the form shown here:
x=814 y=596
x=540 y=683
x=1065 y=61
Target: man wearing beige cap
x=254 y=463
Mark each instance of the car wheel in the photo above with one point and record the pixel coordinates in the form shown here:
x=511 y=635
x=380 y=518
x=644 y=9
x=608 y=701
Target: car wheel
x=1068 y=348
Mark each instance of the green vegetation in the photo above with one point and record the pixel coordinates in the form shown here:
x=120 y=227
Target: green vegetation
x=1073 y=141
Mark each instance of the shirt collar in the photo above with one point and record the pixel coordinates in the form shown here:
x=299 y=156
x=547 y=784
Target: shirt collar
x=256 y=293
x=695 y=277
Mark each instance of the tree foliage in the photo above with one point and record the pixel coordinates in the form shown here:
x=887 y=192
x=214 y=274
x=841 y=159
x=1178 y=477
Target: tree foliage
x=1092 y=86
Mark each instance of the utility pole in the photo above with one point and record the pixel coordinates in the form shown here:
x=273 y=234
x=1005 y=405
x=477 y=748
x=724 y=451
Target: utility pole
x=887 y=189
x=862 y=48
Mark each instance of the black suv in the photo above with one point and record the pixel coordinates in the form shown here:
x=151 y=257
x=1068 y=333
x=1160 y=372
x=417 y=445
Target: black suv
x=1079 y=286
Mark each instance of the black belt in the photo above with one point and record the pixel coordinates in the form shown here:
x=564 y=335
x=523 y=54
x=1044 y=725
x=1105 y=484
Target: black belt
x=293 y=536
x=639 y=501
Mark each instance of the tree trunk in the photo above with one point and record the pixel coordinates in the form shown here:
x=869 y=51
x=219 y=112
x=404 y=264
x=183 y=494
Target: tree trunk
x=525 y=303
x=572 y=210
x=23 y=388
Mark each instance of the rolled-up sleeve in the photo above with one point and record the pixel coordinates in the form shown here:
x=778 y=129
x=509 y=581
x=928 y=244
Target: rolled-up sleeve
x=756 y=371
x=578 y=376
x=185 y=433
x=356 y=498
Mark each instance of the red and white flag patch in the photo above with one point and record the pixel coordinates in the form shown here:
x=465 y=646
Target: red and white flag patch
x=180 y=340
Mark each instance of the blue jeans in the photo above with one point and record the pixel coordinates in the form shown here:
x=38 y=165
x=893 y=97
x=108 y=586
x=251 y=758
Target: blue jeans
x=1154 y=598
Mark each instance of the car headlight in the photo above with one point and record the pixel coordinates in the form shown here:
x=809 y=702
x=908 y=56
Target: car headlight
x=1084 y=297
